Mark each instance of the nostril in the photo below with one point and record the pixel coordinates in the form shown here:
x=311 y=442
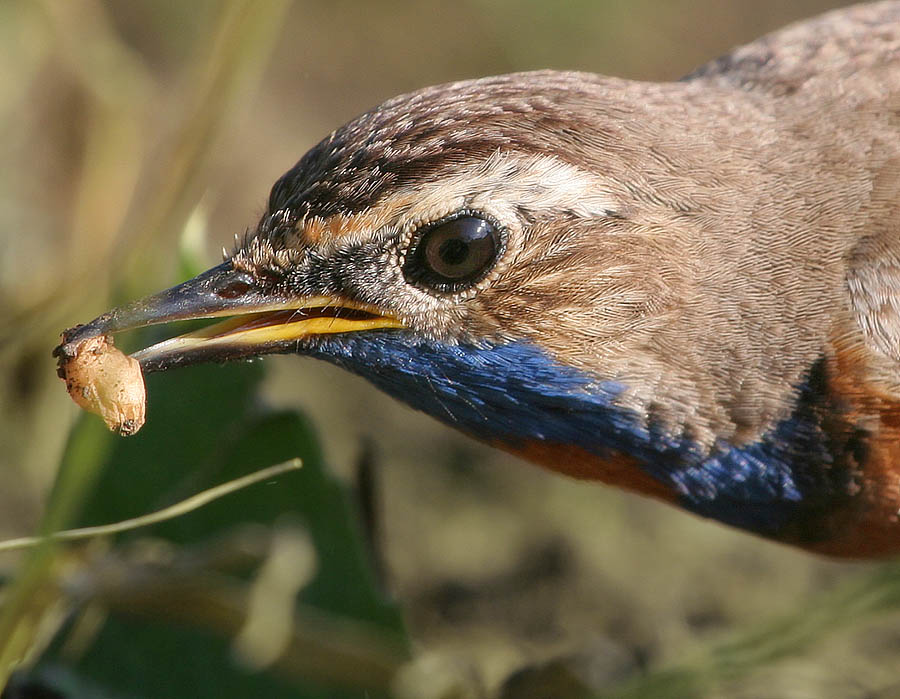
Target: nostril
x=233 y=290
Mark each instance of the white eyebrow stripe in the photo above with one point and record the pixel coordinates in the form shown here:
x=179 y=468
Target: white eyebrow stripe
x=508 y=180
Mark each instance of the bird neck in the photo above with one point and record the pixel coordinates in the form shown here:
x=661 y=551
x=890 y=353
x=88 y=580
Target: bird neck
x=517 y=396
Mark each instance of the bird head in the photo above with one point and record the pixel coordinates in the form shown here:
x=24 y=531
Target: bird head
x=499 y=253
x=484 y=223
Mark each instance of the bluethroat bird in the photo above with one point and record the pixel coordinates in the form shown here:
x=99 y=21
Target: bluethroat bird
x=690 y=290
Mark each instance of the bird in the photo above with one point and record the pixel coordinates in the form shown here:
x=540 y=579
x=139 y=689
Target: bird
x=689 y=290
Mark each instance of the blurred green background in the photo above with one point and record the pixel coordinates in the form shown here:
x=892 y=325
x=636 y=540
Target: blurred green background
x=139 y=136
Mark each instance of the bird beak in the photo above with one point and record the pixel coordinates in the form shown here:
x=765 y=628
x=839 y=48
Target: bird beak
x=257 y=322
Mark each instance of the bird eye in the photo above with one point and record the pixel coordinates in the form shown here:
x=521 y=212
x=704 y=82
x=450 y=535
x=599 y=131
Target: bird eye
x=454 y=254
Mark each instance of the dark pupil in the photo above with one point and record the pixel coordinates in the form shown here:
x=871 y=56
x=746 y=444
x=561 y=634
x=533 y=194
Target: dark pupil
x=460 y=248
x=453 y=252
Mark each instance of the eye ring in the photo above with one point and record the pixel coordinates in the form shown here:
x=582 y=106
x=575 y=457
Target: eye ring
x=453 y=253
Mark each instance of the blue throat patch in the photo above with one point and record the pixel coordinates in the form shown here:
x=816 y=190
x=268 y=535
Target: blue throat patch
x=516 y=394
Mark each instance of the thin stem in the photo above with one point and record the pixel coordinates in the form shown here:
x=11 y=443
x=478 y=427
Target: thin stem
x=176 y=510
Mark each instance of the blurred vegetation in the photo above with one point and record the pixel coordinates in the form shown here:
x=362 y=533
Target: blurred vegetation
x=139 y=136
